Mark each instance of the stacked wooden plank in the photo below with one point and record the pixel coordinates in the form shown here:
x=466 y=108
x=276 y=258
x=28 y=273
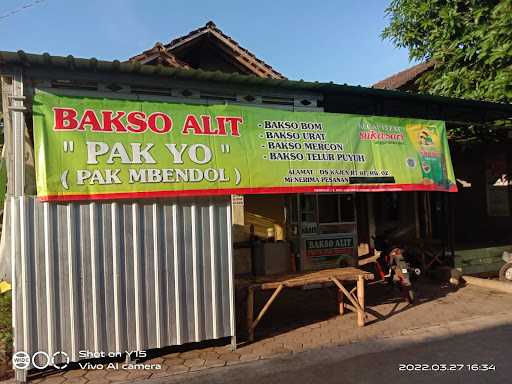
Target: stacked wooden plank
x=480 y=260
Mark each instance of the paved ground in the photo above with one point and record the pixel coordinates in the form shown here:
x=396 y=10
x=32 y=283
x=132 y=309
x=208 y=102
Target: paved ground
x=402 y=360
x=307 y=320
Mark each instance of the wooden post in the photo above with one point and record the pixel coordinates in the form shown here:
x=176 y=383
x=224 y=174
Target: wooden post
x=500 y=286
x=267 y=305
x=341 y=305
x=360 y=299
x=371 y=220
x=417 y=215
x=250 y=313
x=349 y=296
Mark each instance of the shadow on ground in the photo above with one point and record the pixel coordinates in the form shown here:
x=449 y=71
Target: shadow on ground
x=296 y=308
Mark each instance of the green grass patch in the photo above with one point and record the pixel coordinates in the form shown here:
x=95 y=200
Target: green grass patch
x=5 y=322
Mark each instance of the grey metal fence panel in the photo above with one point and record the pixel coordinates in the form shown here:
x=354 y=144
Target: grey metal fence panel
x=120 y=276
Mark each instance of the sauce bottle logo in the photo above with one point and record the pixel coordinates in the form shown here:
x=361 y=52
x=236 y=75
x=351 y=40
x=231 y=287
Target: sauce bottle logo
x=427 y=143
x=425 y=138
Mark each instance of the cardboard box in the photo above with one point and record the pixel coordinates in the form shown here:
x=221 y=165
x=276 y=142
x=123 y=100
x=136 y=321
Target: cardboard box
x=272 y=258
x=242 y=261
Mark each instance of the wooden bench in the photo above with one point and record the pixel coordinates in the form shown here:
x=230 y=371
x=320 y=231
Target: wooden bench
x=338 y=276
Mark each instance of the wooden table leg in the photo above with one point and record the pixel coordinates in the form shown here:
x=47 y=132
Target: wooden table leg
x=355 y=301
x=267 y=305
x=250 y=313
x=360 y=299
x=250 y=309
x=341 y=304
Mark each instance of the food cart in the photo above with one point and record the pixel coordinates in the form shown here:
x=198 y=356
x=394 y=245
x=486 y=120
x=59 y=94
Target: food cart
x=322 y=229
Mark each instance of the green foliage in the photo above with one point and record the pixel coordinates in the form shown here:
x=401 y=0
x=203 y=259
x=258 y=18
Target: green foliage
x=5 y=322
x=470 y=42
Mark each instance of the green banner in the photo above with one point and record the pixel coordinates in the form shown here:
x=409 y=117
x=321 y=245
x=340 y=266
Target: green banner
x=98 y=148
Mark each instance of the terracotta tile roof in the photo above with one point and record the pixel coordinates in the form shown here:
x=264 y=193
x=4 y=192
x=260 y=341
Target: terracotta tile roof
x=243 y=56
x=404 y=78
x=159 y=55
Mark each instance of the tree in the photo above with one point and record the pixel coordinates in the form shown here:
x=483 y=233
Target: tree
x=469 y=41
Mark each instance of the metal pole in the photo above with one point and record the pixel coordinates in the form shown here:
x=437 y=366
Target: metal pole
x=12 y=96
x=16 y=111
x=451 y=235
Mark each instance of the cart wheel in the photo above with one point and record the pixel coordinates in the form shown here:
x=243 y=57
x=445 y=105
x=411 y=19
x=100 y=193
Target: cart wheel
x=506 y=272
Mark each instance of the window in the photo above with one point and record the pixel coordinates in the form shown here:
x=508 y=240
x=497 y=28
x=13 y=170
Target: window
x=324 y=213
x=308 y=210
x=347 y=208
x=328 y=209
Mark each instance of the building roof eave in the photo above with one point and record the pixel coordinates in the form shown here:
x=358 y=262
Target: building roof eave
x=71 y=64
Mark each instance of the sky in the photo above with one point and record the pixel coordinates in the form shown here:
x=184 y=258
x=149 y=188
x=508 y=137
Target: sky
x=314 y=40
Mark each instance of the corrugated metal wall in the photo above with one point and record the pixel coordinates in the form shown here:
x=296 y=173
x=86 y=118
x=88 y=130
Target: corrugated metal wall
x=116 y=276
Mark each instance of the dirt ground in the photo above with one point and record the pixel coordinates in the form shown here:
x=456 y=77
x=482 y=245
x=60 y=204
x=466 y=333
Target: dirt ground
x=387 y=313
